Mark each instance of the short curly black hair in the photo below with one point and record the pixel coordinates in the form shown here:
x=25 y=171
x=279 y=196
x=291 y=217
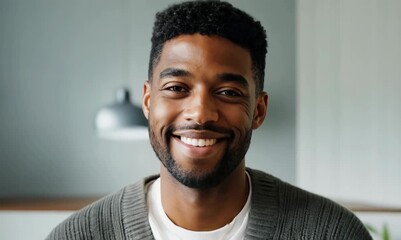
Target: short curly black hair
x=211 y=18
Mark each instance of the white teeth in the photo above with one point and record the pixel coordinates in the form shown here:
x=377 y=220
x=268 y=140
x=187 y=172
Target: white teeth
x=201 y=142
x=198 y=142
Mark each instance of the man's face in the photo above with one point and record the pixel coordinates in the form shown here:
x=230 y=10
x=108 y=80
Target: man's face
x=202 y=108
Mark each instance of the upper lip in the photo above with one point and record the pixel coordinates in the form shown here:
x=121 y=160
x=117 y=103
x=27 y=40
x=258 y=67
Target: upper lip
x=200 y=134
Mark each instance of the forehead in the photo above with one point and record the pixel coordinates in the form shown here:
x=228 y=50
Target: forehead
x=205 y=55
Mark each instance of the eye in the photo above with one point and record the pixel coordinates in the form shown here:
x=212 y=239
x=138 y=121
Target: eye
x=230 y=93
x=175 y=89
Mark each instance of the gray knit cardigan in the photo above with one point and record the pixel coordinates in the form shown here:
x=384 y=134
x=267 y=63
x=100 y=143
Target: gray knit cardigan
x=278 y=211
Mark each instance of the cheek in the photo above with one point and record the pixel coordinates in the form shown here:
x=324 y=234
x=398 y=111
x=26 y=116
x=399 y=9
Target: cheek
x=239 y=117
x=241 y=123
x=161 y=114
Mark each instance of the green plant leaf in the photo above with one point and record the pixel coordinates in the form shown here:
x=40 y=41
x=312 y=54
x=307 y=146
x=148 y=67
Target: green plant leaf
x=386 y=233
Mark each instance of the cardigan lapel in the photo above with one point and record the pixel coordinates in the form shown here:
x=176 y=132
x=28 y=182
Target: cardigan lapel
x=135 y=212
x=263 y=215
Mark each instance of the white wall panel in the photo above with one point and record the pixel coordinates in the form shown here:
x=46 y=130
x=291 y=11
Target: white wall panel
x=349 y=101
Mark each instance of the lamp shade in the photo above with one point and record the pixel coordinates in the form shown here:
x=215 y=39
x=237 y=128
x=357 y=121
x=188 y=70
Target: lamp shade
x=121 y=120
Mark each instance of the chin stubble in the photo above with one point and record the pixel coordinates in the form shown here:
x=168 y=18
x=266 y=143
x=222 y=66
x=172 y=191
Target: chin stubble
x=200 y=179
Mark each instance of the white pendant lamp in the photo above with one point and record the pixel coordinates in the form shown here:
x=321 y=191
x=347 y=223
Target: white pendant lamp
x=121 y=120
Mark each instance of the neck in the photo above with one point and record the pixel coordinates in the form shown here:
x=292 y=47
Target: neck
x=204 y=209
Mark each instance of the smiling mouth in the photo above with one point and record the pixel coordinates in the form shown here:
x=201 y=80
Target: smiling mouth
x=198 y=142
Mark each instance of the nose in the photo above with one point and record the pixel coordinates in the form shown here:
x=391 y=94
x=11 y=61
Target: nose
x=201 y=108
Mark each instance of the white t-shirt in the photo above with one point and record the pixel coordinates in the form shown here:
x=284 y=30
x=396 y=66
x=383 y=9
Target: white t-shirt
x=164 y=229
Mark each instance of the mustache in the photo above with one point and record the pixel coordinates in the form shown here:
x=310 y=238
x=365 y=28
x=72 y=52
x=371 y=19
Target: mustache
x=206 y=126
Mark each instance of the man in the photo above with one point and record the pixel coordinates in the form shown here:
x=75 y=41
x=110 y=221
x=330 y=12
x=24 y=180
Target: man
x=203 y=99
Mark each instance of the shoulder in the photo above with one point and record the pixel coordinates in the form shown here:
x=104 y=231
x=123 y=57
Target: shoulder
x=88 y=222
x=303 y=214
x=105 y=218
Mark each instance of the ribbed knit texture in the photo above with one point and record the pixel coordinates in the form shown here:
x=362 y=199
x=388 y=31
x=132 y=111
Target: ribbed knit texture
x=278 y=211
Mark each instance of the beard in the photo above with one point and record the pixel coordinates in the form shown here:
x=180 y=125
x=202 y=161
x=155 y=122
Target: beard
x=201 y=179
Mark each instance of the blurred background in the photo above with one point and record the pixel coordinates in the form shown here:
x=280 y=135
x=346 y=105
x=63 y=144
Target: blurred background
x=333 y=76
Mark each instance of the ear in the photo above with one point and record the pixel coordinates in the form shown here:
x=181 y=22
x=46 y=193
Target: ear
x=146 y=99
x=260 y=110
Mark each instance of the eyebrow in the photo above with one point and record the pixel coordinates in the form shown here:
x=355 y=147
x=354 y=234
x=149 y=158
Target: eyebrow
x=173 y=72
x=232 y=77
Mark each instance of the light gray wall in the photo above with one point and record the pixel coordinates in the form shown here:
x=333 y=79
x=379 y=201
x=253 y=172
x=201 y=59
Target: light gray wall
x=61 y=60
